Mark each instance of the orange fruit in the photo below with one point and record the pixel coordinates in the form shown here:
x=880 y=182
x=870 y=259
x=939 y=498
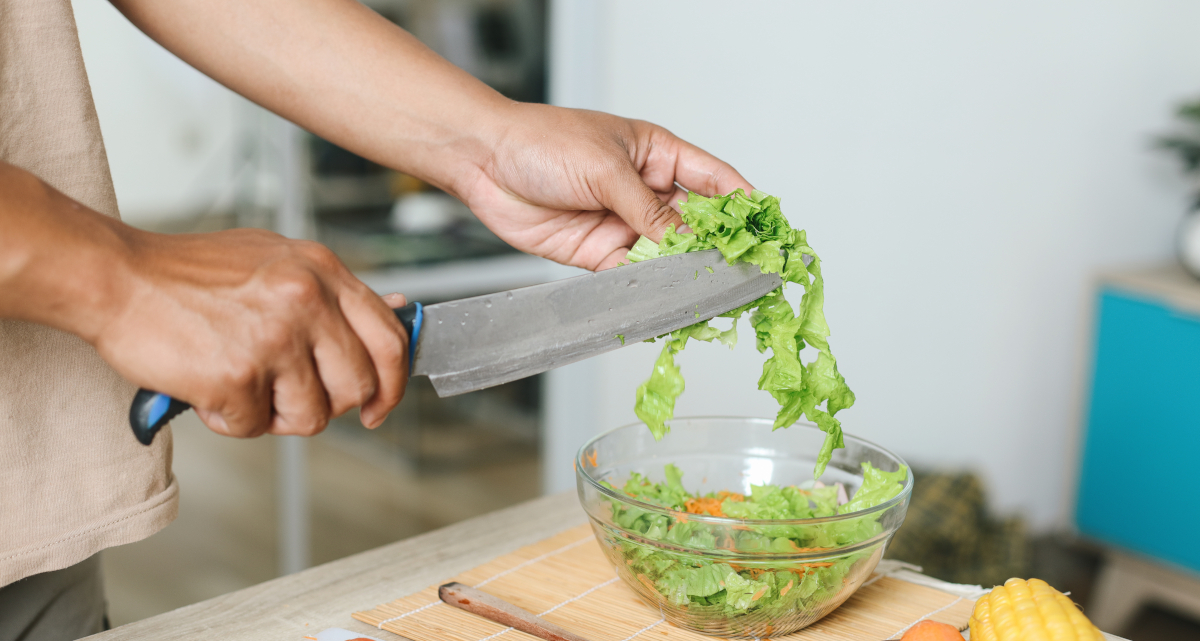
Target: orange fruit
x=932 y=631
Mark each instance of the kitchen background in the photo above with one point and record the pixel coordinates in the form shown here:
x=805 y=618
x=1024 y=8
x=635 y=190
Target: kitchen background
x=965 y=170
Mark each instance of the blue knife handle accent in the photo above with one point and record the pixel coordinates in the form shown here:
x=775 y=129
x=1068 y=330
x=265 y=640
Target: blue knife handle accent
x=150 y=410
x=411 y=316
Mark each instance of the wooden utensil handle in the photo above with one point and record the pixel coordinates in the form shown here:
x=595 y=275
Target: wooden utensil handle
x=502 y=612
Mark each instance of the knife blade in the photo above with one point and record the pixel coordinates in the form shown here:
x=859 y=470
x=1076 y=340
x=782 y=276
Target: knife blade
x=475 y=343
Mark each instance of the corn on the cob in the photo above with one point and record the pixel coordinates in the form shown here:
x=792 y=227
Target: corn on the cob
x=1030 y=610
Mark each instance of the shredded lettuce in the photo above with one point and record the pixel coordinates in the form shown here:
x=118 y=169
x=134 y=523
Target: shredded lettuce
x=753 y=229
x=736 y=585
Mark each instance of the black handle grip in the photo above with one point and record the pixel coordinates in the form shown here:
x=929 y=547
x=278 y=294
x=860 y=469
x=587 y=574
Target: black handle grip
x=150 y=410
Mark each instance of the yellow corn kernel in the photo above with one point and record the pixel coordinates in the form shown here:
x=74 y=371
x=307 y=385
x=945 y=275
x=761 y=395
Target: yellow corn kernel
x=1029 y=610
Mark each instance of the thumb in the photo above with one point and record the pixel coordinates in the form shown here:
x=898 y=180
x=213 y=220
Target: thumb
x=395 y=301
x=631 y=198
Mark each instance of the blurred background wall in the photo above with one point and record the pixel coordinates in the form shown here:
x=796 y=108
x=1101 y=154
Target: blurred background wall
x=962 y=168
x=172 y=134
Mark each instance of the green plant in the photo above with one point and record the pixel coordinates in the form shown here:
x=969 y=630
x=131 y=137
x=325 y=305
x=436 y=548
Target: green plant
x=1186 y=143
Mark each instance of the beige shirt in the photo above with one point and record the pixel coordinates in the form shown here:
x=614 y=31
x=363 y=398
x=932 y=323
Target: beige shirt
x=73 y=480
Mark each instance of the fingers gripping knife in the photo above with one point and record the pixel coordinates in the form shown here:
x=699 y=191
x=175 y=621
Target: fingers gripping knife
x=475 y=343
x=150 y=410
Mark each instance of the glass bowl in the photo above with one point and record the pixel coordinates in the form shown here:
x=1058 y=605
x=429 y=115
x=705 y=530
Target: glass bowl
x=804 y=567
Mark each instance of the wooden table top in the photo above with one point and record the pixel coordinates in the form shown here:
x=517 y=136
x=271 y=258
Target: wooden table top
x=291 y=607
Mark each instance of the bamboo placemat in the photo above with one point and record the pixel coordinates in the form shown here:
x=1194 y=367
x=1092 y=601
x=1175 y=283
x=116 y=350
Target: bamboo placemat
x=567 y=580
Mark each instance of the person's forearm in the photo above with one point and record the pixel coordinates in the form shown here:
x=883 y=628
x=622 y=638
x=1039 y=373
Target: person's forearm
x=60 y=262
x=341 y=71
x=574 y=186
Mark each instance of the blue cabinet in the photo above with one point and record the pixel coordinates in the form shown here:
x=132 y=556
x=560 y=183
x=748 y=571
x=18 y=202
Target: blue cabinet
x=1139 y=486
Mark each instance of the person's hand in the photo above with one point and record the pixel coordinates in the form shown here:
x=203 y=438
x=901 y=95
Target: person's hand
x=258 y=332
x=578 y=187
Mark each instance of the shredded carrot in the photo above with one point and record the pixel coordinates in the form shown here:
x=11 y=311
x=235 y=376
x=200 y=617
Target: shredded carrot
x=704 y=505
x=646 y=581
x=816 y=565
x=681 y=517
x=758 y=595
x=591 y=457
x=733 y=496
x=786 y=588
x=753 y=572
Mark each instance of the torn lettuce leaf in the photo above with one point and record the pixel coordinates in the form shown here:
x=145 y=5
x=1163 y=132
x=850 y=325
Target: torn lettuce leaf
x=752 y=228
x=703 y=579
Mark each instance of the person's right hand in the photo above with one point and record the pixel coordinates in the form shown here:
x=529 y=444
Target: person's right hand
x=257 y=332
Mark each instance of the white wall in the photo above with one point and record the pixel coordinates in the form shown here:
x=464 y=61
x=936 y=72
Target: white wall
x=961 y=167
x=169 y=130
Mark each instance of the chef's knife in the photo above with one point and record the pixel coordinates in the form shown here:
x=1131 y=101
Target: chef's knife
x=474 y=343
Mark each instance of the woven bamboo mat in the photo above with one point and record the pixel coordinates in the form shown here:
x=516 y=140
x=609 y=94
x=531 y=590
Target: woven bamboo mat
x=567 y=580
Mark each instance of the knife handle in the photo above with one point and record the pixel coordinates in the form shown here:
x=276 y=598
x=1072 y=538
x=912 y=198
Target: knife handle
x=151 y=410
x=411 y=316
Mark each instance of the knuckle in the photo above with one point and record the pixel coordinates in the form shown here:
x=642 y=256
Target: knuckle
x=298 y=287
x=712 y=182
x=276 y=338
x=390 y=354
x=319 y=254
x=353 y=396
x=364 y=392
x=392 y=397
x=260 y=235
x=238 y=423
x=615 y=166
x=315 y=424
x=657 y=214
x=240 y=373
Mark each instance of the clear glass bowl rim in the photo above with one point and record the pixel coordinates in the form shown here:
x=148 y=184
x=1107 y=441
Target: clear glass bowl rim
x=724 y=520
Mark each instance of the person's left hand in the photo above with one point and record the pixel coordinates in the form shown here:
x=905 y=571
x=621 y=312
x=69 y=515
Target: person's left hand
x=578 y=187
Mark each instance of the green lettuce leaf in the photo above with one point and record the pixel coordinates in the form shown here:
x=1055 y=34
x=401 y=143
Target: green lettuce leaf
x=643 y=249
x=878 y=486
x=656 y=397
x=752 y=228
x=694 y=580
